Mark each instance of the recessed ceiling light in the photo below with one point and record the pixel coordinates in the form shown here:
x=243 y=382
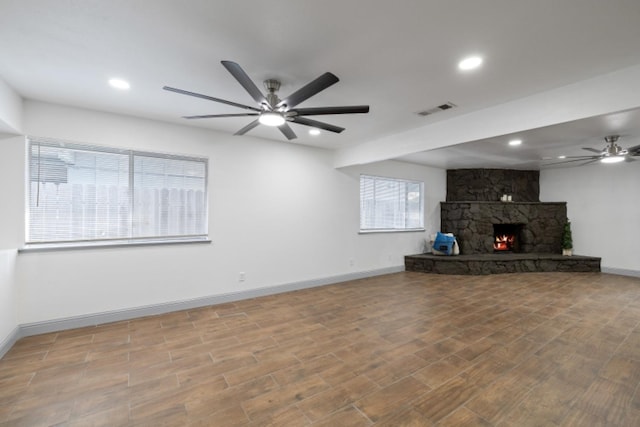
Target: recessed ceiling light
x=470 y=63
x=515 y=142
x=119 y=84
x=314 y=132
x=562 y=157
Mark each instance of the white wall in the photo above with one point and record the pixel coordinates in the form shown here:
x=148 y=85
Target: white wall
x=603 y=205
x=10 y=237
x=10 y=110
x=279 y=212
x=8 y=314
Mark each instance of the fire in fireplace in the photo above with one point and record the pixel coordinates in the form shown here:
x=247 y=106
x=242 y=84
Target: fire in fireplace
x=504 y=242
x=506 y=237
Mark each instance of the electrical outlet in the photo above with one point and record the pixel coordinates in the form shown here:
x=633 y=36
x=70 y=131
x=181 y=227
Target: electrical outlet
x=242 y=276
x=351 y=262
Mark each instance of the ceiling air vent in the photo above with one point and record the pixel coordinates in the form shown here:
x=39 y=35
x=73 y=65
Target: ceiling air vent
x=437 y=109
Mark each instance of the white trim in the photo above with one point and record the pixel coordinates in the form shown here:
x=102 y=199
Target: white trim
x=391 y=230
x=10 y=340
x=55 y=325
x=620 y=271
x=117 y=243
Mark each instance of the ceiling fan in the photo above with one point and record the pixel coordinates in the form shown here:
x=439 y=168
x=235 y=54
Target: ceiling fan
x=273 y=111
x=611 y=153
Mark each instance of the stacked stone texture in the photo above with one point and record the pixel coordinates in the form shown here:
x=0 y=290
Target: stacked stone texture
x=472 y=223
x=488 y=185
x=505 y=264
x=473 y=206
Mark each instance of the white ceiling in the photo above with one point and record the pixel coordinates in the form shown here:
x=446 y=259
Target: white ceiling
x=541 y=147
x=399 y=57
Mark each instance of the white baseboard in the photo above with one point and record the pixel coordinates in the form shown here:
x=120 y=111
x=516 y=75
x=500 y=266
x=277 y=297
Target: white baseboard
x=9 y=341
x=620 y=271
x=56 y=325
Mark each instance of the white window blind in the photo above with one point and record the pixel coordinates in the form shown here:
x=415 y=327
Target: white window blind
x=82 y=193
x=389 y=204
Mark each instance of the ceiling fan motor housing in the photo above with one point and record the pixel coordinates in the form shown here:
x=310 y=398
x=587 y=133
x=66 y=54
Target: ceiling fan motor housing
x=613 y=149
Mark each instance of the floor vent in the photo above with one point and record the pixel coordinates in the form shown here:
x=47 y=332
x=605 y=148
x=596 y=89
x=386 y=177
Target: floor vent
x=430 y=111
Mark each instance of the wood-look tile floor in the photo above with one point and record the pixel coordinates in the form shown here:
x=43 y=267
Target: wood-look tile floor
x=407 y=349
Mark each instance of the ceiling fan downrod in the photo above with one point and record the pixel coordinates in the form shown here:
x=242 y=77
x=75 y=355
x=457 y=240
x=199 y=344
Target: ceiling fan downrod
x=272 y=87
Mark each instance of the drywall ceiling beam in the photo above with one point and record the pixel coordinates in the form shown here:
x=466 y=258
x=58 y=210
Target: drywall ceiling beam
x=608 y=93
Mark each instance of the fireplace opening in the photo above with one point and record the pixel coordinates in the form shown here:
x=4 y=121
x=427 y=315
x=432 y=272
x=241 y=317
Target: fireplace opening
x=506 y=237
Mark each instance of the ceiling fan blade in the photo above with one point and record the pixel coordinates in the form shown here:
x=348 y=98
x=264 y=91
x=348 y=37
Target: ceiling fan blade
x=582 y=157
x=317 y=111
x=587 y=160
x=317 y=124
x=592 y=149
x=246 y=82
x=211 y=116
x=287 y=131
x=306 y=92
x=634 y=151
x=210 y=98
x=248 y=127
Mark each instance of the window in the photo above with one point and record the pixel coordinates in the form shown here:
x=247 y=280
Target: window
x=81 y=193
x=388 y=204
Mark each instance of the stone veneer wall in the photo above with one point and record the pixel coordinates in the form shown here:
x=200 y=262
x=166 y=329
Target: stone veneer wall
x=487 y=185
x=472 y=223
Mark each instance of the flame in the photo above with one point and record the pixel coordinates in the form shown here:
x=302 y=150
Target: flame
x=504 y=242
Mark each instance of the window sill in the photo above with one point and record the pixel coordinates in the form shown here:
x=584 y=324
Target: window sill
x=49 y=247
x=408 y=230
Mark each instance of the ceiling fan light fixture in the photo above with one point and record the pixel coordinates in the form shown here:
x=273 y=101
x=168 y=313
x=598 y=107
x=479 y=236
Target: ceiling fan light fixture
x=314 y=132
x=612 y=159
x=271 y=119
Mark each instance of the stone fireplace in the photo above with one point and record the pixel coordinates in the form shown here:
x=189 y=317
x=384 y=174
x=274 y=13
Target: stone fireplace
x=531 y=226
x=495 y=236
